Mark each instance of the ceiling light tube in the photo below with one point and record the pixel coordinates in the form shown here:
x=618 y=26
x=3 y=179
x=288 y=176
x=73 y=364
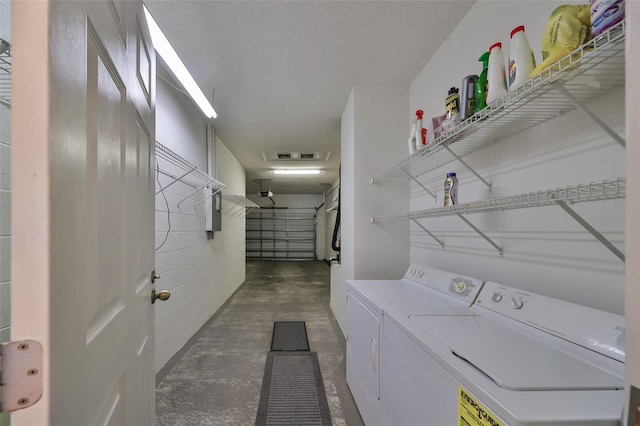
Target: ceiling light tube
x=296 y=171
x=170 y=57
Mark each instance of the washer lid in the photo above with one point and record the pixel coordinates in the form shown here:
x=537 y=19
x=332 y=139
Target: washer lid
x=512 y=359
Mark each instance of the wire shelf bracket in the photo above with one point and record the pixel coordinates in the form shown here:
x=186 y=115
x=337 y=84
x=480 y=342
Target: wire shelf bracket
x=594 y=191
x=586 y=111
x=242 y=205
x=428 y=232
x=202 y=180
x=174 y=177
x=482 y=234
x=216 y=190
x=591 y=230
x=420 y=184
x=464 y=163
x=5 y=72
x=212 y=183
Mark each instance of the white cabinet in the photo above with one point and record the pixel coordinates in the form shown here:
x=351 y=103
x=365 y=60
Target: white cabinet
x=363 y=358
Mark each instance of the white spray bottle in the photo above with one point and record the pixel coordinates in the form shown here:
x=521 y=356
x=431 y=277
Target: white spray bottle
x=521 y=59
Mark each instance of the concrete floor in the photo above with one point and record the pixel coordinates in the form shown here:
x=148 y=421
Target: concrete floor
x=216 y=378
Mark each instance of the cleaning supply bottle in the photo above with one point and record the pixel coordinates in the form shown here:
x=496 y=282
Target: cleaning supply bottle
x=605 y=14
x=521 y=59
x=481 y=86
x=496 y=78
x=421 y=132
x=450 y=190
x=452 y=104
x=468 y=96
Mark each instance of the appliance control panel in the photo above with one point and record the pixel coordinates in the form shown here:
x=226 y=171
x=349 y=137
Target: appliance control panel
x=456 y=285
x=598 y=330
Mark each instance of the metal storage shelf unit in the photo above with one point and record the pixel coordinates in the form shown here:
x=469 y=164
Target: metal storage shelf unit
x=5 y=72
x=242 y=205
x=595 y=68
x=594 y=191
x=281 y=234
x=592 y=70
x=180 y=170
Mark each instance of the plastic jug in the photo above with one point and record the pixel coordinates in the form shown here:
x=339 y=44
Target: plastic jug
x=521 y=60
x=496 y=77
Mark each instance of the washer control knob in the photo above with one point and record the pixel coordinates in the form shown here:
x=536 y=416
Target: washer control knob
x=420 y=274
x=496 y=297
x=517 y=302
x=459 y=286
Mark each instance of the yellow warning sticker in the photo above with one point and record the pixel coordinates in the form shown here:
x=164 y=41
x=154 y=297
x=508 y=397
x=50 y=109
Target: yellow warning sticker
x=473 y=413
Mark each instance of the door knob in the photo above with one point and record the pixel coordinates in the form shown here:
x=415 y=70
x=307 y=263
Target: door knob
x=162 y=295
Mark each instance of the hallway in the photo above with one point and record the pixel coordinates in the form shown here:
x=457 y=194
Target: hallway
x=216 y=379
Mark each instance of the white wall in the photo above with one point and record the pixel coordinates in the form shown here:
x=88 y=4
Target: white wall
x=545 y=251
x=179 y=123
x=373 y=137
x=381 y=249
x=200 y=273
x=344 y=270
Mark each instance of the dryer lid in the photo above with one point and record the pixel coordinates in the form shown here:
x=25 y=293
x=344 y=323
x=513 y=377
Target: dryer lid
x=512 y=359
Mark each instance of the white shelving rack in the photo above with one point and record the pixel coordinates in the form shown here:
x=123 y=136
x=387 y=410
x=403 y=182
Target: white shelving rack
x=563 y=197
x=243 y=205
x=5 y=72
x=595 y=68
x=188 y=174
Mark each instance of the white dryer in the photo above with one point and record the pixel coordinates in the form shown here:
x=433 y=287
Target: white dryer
x=514 y=359
x=367 y=300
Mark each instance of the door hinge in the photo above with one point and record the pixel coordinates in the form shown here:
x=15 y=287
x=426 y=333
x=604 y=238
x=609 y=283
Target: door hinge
x=20 y=375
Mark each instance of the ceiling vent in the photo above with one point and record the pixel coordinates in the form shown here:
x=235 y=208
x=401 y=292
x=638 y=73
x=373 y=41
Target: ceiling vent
x=296 y=156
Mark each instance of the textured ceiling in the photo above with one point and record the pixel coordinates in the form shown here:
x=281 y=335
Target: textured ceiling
x=283 y=70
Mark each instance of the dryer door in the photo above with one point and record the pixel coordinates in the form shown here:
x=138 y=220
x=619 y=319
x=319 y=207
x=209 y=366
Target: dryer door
x=363 y=356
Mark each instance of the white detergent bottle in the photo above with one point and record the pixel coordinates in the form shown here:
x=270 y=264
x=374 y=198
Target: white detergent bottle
x=496 y=77
x=521 y=59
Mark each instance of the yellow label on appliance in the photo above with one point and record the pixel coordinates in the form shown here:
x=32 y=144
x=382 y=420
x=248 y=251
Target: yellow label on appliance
x=473 y=413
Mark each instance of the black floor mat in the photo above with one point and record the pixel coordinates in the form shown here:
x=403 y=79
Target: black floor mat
x=292 y=391
x=289 y=336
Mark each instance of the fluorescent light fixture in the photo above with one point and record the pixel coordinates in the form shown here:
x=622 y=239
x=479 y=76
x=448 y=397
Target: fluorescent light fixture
x=165 y=50
x=296 y=171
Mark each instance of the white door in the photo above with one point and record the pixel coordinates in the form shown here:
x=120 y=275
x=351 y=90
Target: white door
x=82 y=212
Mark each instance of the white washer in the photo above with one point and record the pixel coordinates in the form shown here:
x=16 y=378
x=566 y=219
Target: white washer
x=515 y=358
x=367 y=300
